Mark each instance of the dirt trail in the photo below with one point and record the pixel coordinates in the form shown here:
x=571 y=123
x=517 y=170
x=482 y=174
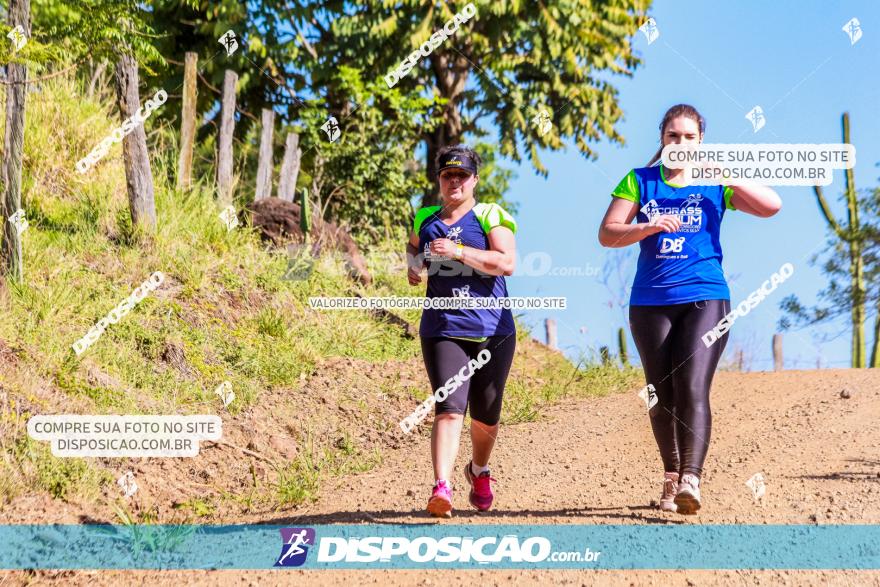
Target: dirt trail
x=595 y=462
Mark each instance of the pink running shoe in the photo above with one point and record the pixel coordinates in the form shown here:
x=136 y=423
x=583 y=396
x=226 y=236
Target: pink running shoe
x=440 y=504
x=481 y=490
x=670 y=488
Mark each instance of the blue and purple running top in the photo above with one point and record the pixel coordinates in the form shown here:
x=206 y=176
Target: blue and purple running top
x=450 y=278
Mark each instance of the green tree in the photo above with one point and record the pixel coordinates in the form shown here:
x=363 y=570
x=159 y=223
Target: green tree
x=272 y=66
x=510 y=61
x=97 y=30
x=848 y=290
x=503 y=66
x=366 y=176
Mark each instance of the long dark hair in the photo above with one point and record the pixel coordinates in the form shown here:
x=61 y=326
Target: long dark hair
x=678 y=110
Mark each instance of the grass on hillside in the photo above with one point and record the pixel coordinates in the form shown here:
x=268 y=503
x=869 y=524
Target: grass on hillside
x=223 y=304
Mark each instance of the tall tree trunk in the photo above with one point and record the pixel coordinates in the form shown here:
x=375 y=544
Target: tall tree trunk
x=187 y=122
x=434 y=143
x=224 y=147
x=265 y=163
x=136 y=157
x=289 y=167
x=13 y=147
x=451 y=84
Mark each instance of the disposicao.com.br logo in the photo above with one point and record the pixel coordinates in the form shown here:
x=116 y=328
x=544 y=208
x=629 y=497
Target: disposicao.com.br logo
x=441 y=546
x=391 y=551
x=449 y=549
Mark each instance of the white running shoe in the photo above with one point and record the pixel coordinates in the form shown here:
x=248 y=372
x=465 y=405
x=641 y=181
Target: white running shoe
x=688 y=497
x=670 y=487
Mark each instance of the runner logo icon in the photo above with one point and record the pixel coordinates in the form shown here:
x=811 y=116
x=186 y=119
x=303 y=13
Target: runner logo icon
x=453 y=234
x=693 y=200
x=296 y=545
x=651 y=210
x=690 y=214
x=672 y=245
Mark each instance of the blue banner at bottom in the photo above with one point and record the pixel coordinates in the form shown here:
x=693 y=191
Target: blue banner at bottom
x=440 y=546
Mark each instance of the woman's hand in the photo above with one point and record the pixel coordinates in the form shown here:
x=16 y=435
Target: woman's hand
x=665 y=223
x=414 y=274
x=617 y=229
x=443 y=247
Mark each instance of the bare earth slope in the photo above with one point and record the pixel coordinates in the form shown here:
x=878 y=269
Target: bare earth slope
x=595 y=462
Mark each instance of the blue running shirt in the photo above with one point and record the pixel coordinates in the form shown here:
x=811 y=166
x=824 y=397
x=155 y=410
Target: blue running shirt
x=449 y=278
x=685 y=266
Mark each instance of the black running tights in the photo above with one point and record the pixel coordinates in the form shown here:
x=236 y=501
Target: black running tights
x=680 y=367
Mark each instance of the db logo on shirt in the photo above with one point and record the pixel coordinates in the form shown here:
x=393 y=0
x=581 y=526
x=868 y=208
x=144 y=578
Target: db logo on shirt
x=672 y=245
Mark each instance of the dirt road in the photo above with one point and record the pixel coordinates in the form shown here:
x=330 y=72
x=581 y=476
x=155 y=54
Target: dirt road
x=595 y=462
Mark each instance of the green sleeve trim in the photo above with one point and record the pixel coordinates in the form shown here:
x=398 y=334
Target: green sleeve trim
x=728 y=193
x=472 y=339
x=663 y=177
x=628 y=188
x=493 y=215
x=423 y=214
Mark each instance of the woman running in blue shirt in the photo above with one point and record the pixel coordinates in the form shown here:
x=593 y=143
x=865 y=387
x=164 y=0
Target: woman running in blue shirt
x=679 y=293
x=468 y=248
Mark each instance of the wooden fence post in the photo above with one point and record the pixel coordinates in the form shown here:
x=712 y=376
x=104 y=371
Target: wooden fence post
x=550 y=327
x=187 y=122
x=289 y=167
x=13 y=148
x=778 y=364
x=224 y=147
x=136 y=157
x=264 y=167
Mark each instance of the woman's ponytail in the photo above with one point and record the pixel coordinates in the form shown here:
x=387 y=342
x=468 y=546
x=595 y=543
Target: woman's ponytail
x=655 y=157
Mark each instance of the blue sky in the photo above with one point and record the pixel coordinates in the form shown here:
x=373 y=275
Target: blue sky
x=792 y=59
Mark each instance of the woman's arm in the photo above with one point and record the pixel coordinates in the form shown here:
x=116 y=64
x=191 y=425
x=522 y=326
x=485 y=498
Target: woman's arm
x=414 y=261
x=759 y=200
x=616 y=229
x=500 y=259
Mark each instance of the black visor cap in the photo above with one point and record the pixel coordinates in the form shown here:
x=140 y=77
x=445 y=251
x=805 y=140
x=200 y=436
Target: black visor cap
x=455 y=160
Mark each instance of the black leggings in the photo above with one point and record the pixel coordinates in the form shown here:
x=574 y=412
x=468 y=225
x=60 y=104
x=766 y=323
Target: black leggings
x=680 y=367
x=445 y=357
